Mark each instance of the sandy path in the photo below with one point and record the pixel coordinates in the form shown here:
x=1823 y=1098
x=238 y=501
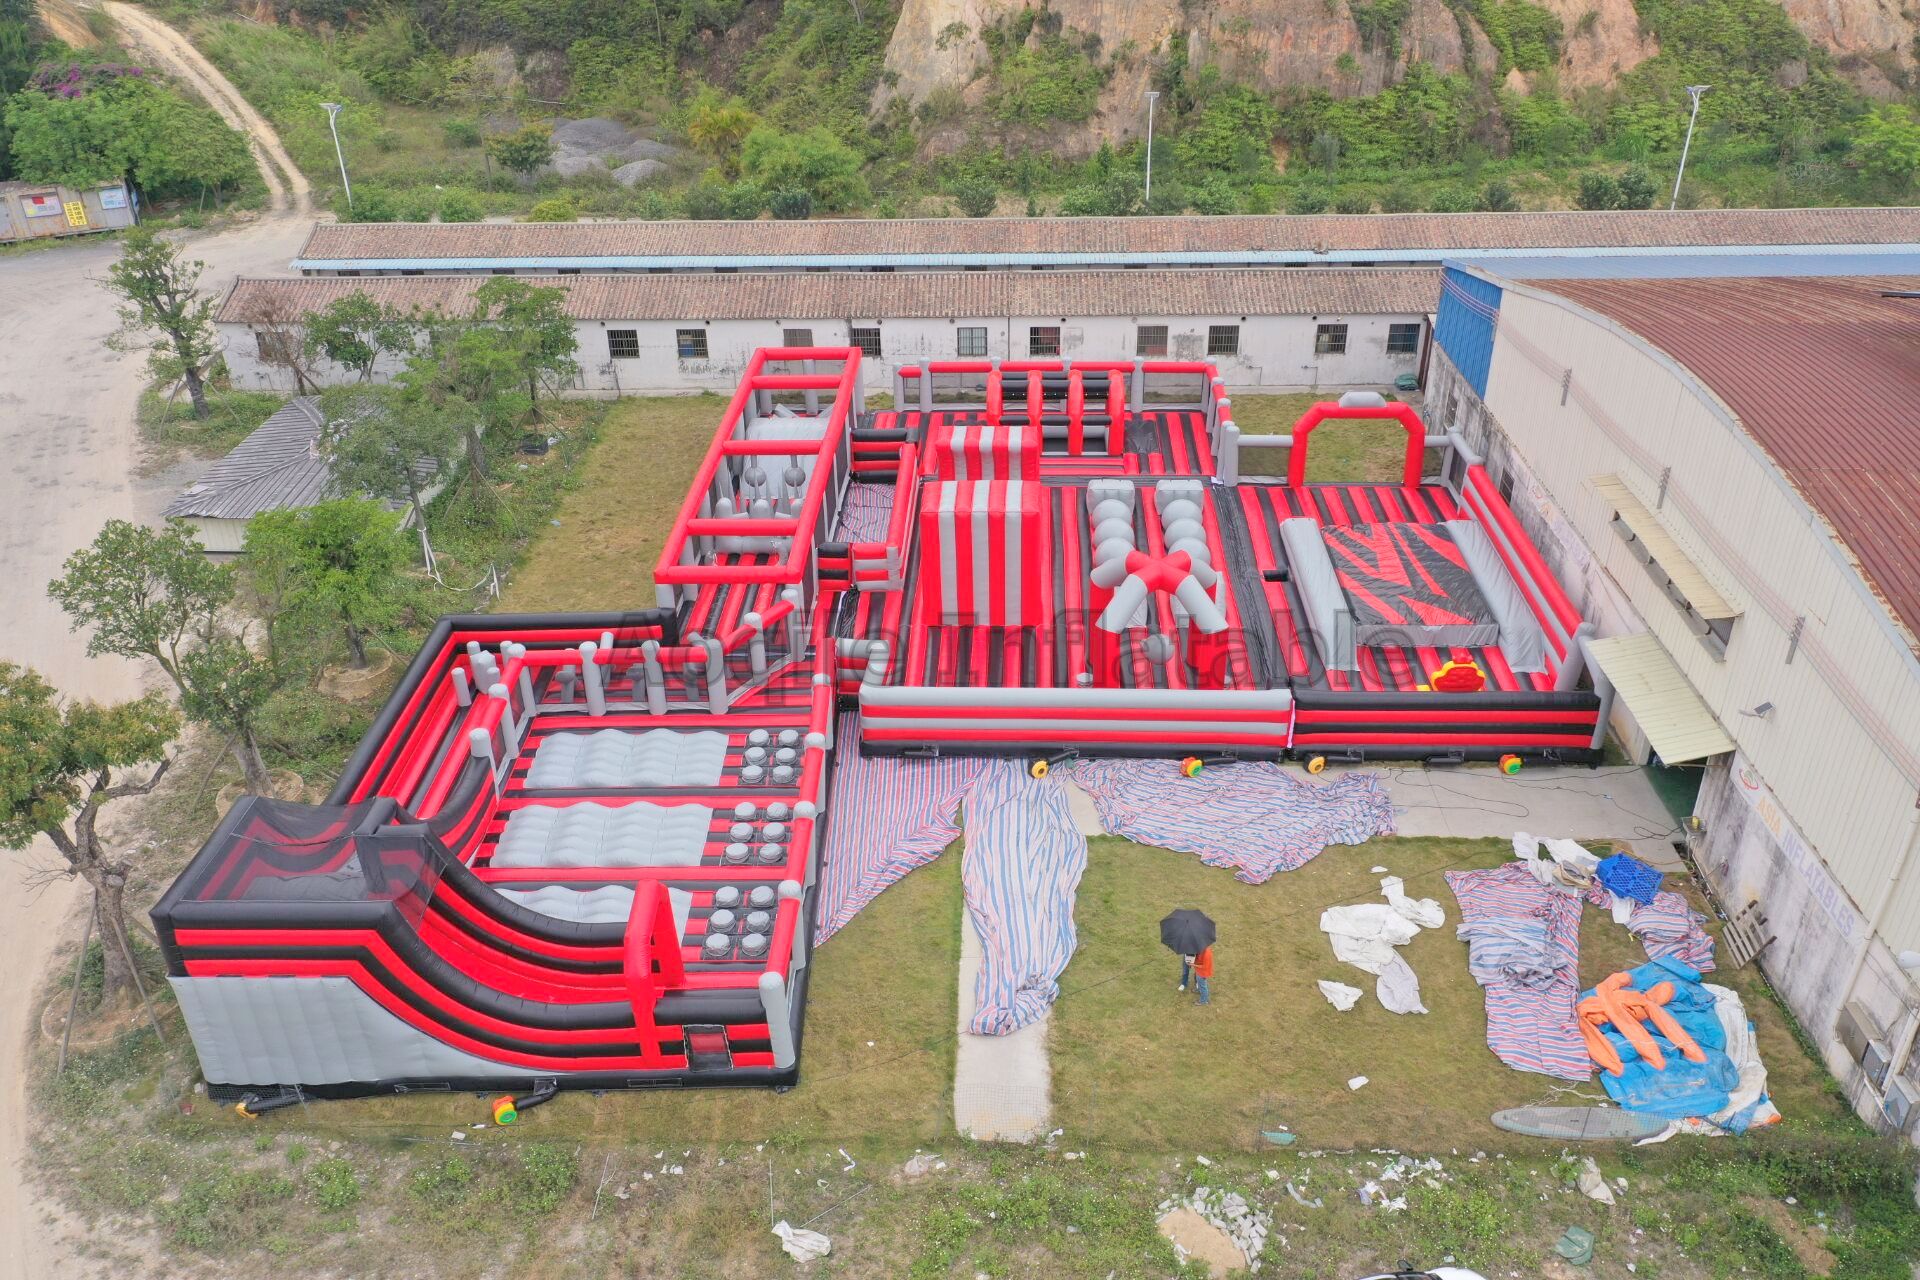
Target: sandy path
x=285 y=184
x=67 y=432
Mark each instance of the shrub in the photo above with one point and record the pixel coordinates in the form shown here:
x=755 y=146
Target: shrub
x=1637 y=188
x=461 y=135
x=1400 y=198
x=415 y=206
x=814 y=161
x=1498 y=198
x=975 y=194
x=791 y=205
x=1453 y=200
x=1307 y=200
x=1353 y=202
x=370 y=204
x=459 y=206
x=557 y=209
x=1598 y=191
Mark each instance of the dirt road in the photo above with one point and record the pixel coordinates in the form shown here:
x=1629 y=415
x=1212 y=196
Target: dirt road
x=285 y=184
x=67 y=433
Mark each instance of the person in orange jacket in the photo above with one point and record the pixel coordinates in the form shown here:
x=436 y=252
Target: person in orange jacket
x=1200 y=967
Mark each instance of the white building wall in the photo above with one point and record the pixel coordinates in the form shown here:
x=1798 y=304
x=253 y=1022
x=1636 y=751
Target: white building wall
x=1276 y=353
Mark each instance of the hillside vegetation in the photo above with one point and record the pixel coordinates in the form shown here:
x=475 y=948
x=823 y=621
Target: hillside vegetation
x=854 y=106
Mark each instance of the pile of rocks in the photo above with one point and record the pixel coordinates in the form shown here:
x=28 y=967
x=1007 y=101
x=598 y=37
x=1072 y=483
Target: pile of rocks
x=1247 y=1226
x=600 y=145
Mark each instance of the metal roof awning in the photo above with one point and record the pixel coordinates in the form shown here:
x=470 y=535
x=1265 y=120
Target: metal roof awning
x=1643 y=527
x=1663 y=704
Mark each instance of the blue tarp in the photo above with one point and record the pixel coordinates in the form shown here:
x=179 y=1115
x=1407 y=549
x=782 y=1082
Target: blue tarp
x=1682 y=1088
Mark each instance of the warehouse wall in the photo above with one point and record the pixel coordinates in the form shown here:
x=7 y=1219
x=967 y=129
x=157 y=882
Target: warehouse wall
x=1276 y=352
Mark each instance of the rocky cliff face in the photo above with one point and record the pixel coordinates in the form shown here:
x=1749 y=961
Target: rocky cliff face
x=1277 y=44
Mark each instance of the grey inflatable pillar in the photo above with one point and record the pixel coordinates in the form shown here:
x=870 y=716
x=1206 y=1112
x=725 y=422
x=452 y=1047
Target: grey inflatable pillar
x=756 y=643
x=1575 y=666
x=773 y=999
x=462 y=690
x=655 y=678
x=716 y=675
x=480 y=747
x=590 y=672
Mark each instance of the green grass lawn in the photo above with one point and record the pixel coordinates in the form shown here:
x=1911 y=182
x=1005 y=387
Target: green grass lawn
x=1340 y=450
x=611 y=527
x=1140 y=1066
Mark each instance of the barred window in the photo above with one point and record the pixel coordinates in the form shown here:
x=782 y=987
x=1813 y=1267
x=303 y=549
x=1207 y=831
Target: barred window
x=1150 y=340
x=1330 y=340
x=868 y=340
x=690 y=343
x=1403 y=339
x=796 y=337
x=1223 y=339
x=623 y=344
x=971 y=341
x=1043 y=340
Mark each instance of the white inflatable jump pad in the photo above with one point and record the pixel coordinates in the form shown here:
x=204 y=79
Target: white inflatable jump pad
x=621 y=758
x=597 y=835
x=610 y=904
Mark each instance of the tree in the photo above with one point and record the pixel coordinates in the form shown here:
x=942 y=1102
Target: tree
x=1887 y=146
x=792 y=205
x=1498 y=198
x=1637 y=188
x=1307 y=200
x=143 y=593
x=334 y=564
x=94 y=124
x=1598 y=191
x=164 y=311
x=355 y=332
x=523 y=150
x=530 y=326
x=975 y=193
x=152 y=593
x=381 y=445
x=460 y=206
x=815 y=161
x=227 y=684
x=58 y=762
x=718 y=128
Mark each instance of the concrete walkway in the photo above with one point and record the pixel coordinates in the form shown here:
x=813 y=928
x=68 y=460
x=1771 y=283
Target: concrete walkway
x=1614 y=802
x=1002 y=1085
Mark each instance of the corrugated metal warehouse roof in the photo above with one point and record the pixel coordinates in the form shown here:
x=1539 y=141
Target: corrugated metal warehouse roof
x=275 y=468
x=797 y=296
x=1108 y=239
x=1824 y=373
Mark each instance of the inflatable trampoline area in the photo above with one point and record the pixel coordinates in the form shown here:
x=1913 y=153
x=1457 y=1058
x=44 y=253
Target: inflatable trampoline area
x=583 y=851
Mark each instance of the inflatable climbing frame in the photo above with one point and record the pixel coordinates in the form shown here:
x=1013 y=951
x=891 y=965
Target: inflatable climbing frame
x=583 y=850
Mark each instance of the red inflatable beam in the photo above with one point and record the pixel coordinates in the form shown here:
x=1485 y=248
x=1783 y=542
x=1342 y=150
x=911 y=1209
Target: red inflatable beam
x=1402 y=413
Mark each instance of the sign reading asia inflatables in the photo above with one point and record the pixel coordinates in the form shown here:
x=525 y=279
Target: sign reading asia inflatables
x=1800 y=855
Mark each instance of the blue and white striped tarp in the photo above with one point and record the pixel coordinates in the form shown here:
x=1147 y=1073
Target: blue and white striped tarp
x=1670 y=930
x=868 y=510
x=1256 y=818
x=1022 y=866
x=890 y=815
x=1530 y=1026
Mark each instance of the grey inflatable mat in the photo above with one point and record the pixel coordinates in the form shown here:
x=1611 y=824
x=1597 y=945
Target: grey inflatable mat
x=1579 y=1124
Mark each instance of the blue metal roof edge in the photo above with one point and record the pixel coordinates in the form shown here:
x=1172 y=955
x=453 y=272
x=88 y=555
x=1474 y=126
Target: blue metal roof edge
x=1236 y=257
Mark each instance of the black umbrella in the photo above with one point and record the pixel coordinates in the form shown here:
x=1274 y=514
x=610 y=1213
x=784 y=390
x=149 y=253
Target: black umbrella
x=1187 y=932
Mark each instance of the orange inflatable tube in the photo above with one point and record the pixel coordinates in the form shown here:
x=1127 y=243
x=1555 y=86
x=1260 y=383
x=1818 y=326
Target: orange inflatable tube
x=1613 y=1001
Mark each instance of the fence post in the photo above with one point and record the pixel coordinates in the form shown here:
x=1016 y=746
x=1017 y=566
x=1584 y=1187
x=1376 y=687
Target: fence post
x=1226 y=443
x=773 y=999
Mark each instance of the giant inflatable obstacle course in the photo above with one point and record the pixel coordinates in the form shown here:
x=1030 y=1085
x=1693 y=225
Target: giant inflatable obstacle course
x=583 y=850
